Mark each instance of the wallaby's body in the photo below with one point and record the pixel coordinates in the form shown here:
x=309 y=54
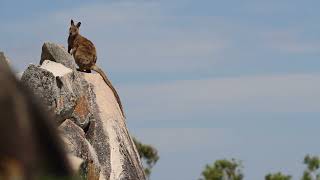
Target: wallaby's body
x=85 y=55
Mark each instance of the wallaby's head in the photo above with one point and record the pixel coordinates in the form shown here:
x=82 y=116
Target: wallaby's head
x=74 y=29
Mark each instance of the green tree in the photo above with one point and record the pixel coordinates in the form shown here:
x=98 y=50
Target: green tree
x=277 y=176
x=312 y=170
x=223 y=170
x=148 y=154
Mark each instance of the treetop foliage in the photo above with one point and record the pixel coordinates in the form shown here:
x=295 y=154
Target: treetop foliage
x=223 y=170
x=148 y=154
x=277 y=176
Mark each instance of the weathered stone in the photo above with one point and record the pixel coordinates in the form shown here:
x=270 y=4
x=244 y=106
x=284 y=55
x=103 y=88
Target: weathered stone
x=100 y=142
x=52 y=82
x=82 y=108
x=56 y=53
x=82 y=113
x=78 y=145
x=109 y=136
x=64 y=91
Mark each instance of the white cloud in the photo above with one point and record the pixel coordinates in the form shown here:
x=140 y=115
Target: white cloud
x=141 y=37
x=271 y=7
x=175 y=140
x=177 y=147
x=290 y=41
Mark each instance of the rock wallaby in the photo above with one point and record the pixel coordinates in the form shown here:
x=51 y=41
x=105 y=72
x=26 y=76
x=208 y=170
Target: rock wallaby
x=84 y=53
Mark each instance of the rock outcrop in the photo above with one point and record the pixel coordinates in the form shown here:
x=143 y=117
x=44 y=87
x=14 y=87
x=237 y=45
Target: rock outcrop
x=89 y=119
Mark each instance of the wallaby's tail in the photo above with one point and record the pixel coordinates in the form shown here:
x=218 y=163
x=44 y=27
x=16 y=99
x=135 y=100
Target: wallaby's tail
x=108 y=82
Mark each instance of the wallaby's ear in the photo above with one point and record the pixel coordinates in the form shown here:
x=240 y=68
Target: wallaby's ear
x=72 y=23
x=78 y=24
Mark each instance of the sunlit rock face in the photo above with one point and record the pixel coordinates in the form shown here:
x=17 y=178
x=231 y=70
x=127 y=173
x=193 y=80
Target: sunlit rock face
x=110 y=129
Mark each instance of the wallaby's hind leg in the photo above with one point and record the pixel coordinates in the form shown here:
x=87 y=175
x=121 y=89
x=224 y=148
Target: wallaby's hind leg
x=84 y=64
x=84 y=70
x=79 y=69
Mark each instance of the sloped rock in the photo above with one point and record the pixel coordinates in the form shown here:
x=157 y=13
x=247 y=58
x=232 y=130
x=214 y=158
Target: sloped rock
x=78 y=145
x=99 y=141
x=110 y=137
x=56 y=53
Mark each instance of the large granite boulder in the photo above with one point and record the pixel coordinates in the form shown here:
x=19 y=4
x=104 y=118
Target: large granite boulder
x=90 y=121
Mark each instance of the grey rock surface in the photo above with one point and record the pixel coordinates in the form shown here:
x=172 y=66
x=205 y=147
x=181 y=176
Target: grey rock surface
x=78 y=145
x=111 y=130
x=53 y=89
x=57 y=53
x=63 y=91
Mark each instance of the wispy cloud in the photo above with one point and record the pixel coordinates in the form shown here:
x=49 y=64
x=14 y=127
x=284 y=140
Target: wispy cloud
x=135 y=37
x=205 y=63
x=130 y=37
x=291 y=41
x=182 y=147
x=175 y=140
x=189 y=98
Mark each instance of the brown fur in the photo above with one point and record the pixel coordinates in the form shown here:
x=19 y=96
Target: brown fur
x=30 y=146
x=85 y=55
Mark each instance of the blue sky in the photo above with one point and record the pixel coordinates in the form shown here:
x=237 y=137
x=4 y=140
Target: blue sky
x=200 y=80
